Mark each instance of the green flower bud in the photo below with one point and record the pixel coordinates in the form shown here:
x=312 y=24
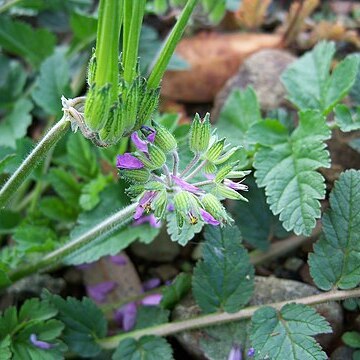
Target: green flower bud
x=135 y=190
x=213 y=206
x=113 y=129
x=238 y=174
x=228 y=193
x=215 y=150
x=156 y=157
x=226 y=156
x=210 y=168
x=131 y=104
x=154 y=186
x=187 y=208
x=200 y=133
x=160 y=204
x=91 y=69
x=135 y=176
x=164 y=139
x=224 y=171
x=97 y=107
x=148 y=103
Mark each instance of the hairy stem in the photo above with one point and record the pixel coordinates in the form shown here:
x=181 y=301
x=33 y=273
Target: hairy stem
x=221 y=318
x=196 y=170
x=191 y=164
x=32 y=160
x=9 y=4
x=108 y=225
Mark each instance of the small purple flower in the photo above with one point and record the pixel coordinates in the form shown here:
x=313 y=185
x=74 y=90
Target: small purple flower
x=235 y=353
x=126 y=316
x=151 y=219
x=151 y=300
x=140 y=144
x=170 y=207
x=151 y=133
x=208 y=218
x=40 y=344
x=144 y=204
x=185 y=185
x=251 y=352
x=119 y=260
x=99 y=291
x=151 y=284
x=236 y=186
x=128 y=161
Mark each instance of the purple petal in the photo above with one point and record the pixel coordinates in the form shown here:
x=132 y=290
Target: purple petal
x=235 y=353
x=236 y=186
x=184 y=185
x=170 y=207
x=209 y=176
x=147 y=197
x=126 y=316
x=208 y=218
x=151 y=131
x=99 y=291
x=151 y=219
x=151 y=284
x=40 y=344
x=139 y=212
x=151 y=300
x=119 y=260
x=128 y=161
x=251 y=352
x=140 y=144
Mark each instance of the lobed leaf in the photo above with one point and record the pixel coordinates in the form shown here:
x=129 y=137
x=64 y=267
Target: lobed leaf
x=346 y=119
x=286 y=166
x=173 y=293
x=287 y=334
x=223 y=280
x=336 y=258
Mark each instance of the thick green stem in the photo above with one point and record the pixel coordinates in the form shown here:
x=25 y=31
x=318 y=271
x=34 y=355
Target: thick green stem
x=9 y=4
x=54 y=258
x=32 y=160
x=221 y=318
x=168 y=49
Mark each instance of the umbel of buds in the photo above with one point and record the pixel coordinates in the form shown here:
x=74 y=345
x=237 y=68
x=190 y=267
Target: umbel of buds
x=160 y=182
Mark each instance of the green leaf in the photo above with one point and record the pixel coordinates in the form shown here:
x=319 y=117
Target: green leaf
x=12 y=80
x=287 y=334
x=5 y=348
x=355 y=90
x=82 y=156
x=21 y=39
x=239 y=112
x=15 y=124
x=65 y=185
x=286 y=166
x=35 y=238
x=52 y=83
x=146 y=348
x=187 y=231
x=224 y=279
x=84 y=29
x=352 y=339
x=56 y=209
x=84 y=324
x=173 y=293
x=256 y=222
x=90 y=193
x=336 y=258
x=4 y=277
x=112 y=199
x=347 y=120
x=8 y=220
x=150 y=316
x=310 y=84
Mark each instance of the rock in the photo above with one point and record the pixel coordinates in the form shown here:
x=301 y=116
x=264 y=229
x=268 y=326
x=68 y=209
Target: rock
x=262 y=71
x=213 y=58
x=267 y=290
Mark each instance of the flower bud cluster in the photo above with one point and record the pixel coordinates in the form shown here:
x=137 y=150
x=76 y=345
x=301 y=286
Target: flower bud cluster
x=112 y=113
x=194 y=193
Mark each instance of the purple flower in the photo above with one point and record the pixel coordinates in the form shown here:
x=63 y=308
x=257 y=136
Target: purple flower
x=119 y=260
x=151 y=219
x=151 y=133
x=126 y=316
x=140 y=144
x=236 y=186
x=170 y=207
x=40 y=344
x=151 y=300
x=144 y=204
x=235 y=353
x=208 y=218
x=151 y=284
x=128 y=161
x=99 y=291
x=251 y=352
x=184 y=185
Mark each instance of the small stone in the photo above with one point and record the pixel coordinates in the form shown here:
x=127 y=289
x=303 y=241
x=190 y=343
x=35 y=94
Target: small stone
x=267 y=290
x=262 y=71
x=293 y=264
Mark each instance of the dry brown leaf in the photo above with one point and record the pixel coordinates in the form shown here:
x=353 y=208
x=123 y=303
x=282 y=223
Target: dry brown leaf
x=251 y=13
x=296 y=17
x=213 y=58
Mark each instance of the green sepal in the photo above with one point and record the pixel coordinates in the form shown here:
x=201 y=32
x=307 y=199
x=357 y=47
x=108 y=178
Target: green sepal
x=131 y=103
x=213 y=206
x=159 y=204
x=91 y=69
x=228 y=193
x=215 y=150
x=135 y=176
x=157 y=156
x=154 y=186
x=164 y=139
x=187 y=208
x=210 y=168
x=147 y=106
x=135 y=190
x=114 y=128
x=226 y=156
x=224 y=171
x=200 y=133
x=238 y=174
